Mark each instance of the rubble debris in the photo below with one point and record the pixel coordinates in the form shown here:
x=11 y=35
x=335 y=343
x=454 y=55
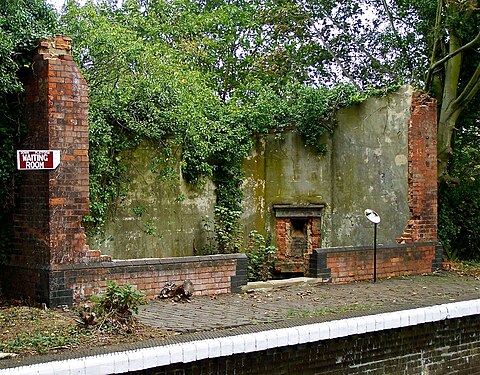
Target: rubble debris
x=177 y=292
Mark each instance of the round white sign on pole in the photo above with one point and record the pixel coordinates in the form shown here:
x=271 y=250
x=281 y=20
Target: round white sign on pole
x=372 y=216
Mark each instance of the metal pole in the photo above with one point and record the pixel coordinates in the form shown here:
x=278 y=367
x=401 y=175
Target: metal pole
x=375 y=252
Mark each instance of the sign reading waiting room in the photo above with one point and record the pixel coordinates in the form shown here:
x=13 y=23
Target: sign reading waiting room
x=37 y=159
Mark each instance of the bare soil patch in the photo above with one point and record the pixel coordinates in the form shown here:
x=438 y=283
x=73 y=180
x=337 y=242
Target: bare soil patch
x=27 y=331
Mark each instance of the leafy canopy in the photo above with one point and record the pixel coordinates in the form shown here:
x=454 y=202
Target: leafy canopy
x=180 y=74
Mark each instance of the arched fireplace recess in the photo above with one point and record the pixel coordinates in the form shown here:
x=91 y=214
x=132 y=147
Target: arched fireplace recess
x=297 y=233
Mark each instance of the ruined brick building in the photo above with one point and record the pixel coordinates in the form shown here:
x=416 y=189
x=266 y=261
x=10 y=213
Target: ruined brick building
x=381 y=156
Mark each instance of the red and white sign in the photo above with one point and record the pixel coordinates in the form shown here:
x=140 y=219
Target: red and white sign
x=37 y=159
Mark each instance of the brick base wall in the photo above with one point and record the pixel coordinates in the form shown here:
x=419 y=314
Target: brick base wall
x=445 y=347
x=71 y=283
x=345 y=264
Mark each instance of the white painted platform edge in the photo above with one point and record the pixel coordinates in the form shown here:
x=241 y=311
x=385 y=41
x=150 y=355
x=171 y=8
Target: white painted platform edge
x=134 y=360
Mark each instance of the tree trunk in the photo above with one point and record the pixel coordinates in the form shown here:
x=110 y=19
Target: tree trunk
x=449 y=110
x=446 y=127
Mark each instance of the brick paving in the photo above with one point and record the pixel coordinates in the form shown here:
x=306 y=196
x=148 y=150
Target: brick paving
x=306 y=302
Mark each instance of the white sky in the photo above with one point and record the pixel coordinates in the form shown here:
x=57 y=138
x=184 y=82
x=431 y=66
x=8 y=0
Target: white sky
x=57 y=3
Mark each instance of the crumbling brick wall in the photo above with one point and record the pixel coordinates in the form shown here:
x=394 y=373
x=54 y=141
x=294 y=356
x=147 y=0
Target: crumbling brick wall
x=422 y=171
x=418 y=250
x=51 y=203
x=51 y=262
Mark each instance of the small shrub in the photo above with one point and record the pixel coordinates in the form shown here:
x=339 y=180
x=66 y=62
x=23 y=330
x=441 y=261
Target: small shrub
x=121 y=299
x=113 y=310
x=261 y=258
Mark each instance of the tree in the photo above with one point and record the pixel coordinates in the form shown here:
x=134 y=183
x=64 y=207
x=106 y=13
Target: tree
x=22 y=24
x=141 y=87
x=452 y=36
x=452 y=32
x=187 y=76
x=373 y=43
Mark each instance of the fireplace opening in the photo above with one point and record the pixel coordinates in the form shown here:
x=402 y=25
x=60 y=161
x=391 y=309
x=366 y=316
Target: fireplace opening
x=299 y=227
x=297 y=234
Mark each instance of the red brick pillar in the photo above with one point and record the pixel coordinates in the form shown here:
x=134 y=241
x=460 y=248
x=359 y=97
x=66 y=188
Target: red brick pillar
x=422 y=171
x=51 y=203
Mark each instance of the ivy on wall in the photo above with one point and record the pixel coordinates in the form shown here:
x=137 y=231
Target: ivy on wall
x=150 y=80
x=22 y=24
x=216 y=150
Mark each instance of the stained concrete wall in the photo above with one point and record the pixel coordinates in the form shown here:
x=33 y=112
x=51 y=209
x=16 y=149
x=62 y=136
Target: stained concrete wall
x=365 y=167
x=159 y=217
x=370 y=168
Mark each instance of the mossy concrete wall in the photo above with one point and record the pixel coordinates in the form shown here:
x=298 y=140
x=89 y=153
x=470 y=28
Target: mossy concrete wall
x=161 y=215
x=370 y=170
x=365 y=167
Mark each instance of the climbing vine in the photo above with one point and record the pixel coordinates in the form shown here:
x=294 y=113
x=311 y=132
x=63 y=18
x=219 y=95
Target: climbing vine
x=150 y=80
x=22 y=23
x=311 y=110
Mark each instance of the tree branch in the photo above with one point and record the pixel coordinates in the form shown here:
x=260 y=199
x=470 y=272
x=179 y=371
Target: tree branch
x=436 y=39
x=438 y=21
x=335 y=57
x=397 y=36
x=360 y=46
x=469 y=91
x=448 y=57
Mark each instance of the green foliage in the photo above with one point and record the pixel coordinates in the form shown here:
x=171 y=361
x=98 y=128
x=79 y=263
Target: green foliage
x=227 y=230
x=139 y=90
x=175 y=90
x=22 y=23
x=261 y=257
x=315 y=111
x=37 y=339
x=41 y=342
x=459 y=208
x=118 y=300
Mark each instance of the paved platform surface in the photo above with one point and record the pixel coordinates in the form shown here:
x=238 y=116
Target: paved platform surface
x=282 y=304
x=295 y=302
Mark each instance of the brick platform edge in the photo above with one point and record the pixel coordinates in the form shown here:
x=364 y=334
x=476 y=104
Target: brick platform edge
x=345 y=264
x=441 y=339
x=69 y=283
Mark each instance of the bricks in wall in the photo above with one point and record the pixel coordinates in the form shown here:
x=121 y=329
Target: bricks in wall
x=347 y=264
x=284 y=241
x=422 y=171
x=51 y=203
x=57 y=119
